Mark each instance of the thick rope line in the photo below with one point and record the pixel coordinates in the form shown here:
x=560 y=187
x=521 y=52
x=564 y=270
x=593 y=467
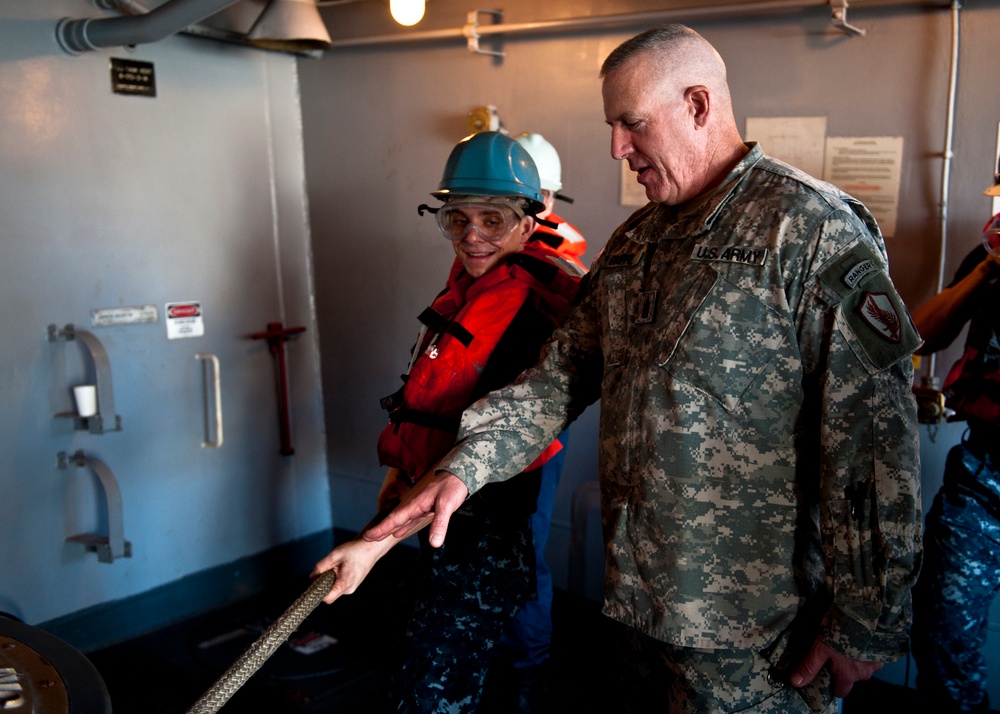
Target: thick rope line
x=255 y=656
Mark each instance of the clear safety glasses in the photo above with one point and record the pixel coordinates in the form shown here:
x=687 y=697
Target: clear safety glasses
x=491 y=221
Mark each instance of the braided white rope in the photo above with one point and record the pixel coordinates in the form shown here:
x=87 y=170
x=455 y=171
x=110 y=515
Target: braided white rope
x=255 y=656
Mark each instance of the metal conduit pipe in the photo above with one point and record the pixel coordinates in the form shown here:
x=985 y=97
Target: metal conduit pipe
x=956 y=6
x=699 y=12
x=75 y=36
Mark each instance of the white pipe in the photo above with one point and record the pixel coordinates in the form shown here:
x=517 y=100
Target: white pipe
x=948 y=156
x=75 y=36
x=600 y=21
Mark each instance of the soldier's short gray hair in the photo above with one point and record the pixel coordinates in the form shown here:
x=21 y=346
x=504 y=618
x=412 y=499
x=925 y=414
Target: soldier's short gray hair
x=663 y=38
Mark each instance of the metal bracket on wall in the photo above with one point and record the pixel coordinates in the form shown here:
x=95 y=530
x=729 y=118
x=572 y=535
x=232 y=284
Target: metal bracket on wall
x=839 y=10
x=113 y=545
x=105 y=419
x=471 y=31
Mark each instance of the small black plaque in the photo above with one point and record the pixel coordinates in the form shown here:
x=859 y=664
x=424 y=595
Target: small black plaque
x=132 y=77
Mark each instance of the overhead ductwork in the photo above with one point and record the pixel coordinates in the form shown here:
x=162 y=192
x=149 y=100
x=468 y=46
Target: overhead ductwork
x=283 y=25
x=290 y=26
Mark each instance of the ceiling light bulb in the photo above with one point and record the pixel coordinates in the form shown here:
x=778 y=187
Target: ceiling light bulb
x=406 y=12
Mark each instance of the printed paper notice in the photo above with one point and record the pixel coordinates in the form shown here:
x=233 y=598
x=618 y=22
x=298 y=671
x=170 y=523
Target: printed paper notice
x=184 y=320
x=868 y=168
x=798 y=141
x=632 y=193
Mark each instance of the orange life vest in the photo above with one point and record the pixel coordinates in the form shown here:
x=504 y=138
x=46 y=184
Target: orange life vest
x=462 y=328
x=565 y=239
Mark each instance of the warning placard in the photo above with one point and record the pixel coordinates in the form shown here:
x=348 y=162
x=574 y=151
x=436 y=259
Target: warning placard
x=184 y=319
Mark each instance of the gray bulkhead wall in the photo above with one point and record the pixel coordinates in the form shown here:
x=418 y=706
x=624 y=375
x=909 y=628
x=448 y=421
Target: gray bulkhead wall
x=114 y=201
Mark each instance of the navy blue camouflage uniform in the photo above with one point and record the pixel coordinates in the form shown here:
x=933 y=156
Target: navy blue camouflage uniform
x=961 y=569
x=470 y=590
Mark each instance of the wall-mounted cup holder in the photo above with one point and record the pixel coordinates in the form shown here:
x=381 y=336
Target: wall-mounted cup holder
x=105 y=419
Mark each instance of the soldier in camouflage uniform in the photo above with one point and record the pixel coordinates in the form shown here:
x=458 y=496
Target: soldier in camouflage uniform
x=961 y=571
x=758 y=448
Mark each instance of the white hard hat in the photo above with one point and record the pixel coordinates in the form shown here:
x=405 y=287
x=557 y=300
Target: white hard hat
x=546 y=159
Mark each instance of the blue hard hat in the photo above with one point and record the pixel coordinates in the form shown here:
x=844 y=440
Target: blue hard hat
x=491 y=164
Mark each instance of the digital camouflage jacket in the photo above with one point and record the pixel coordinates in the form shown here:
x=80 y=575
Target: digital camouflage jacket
x=758 y=437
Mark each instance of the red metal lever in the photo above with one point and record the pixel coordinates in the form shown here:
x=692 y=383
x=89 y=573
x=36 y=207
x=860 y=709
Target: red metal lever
x=276 y=337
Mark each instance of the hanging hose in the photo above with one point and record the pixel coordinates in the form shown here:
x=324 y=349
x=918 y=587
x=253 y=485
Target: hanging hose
x=255 y=656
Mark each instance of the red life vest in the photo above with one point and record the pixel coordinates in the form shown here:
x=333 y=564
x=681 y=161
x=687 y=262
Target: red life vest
x=973 y=382
x=464 y=325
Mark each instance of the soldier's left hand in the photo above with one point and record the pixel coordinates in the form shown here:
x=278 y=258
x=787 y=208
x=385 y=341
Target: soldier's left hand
x=845 y=671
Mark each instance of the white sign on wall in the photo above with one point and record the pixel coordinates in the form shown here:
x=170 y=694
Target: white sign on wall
x=868 y=168
x=131 y=315
x=184 y=319
x=798 y=141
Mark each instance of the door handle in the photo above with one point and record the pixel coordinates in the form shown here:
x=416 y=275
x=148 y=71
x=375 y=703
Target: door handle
x=213 y=407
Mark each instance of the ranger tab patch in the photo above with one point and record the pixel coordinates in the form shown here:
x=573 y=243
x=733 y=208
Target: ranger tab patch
x=853 y=276
x=880 y=314
x=729 y=253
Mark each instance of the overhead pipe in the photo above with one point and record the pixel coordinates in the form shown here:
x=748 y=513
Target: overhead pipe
x=474 y=30
x=76 y=36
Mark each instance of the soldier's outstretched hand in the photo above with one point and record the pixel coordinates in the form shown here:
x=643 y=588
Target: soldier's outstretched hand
x=440 y=494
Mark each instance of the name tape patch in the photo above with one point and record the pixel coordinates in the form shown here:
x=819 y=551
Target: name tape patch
x=729 y=254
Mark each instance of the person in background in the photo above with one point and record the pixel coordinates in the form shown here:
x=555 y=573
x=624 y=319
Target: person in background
x=961 y=570
x=526 y=642
x=759 y=458
x=503 y=298
x=563 y=237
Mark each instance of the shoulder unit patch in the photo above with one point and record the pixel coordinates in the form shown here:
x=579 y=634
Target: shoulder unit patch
x=880 y=314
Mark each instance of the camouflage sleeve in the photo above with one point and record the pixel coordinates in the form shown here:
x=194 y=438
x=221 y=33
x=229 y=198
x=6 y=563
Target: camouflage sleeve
x=856 y=340
x=507 y=429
